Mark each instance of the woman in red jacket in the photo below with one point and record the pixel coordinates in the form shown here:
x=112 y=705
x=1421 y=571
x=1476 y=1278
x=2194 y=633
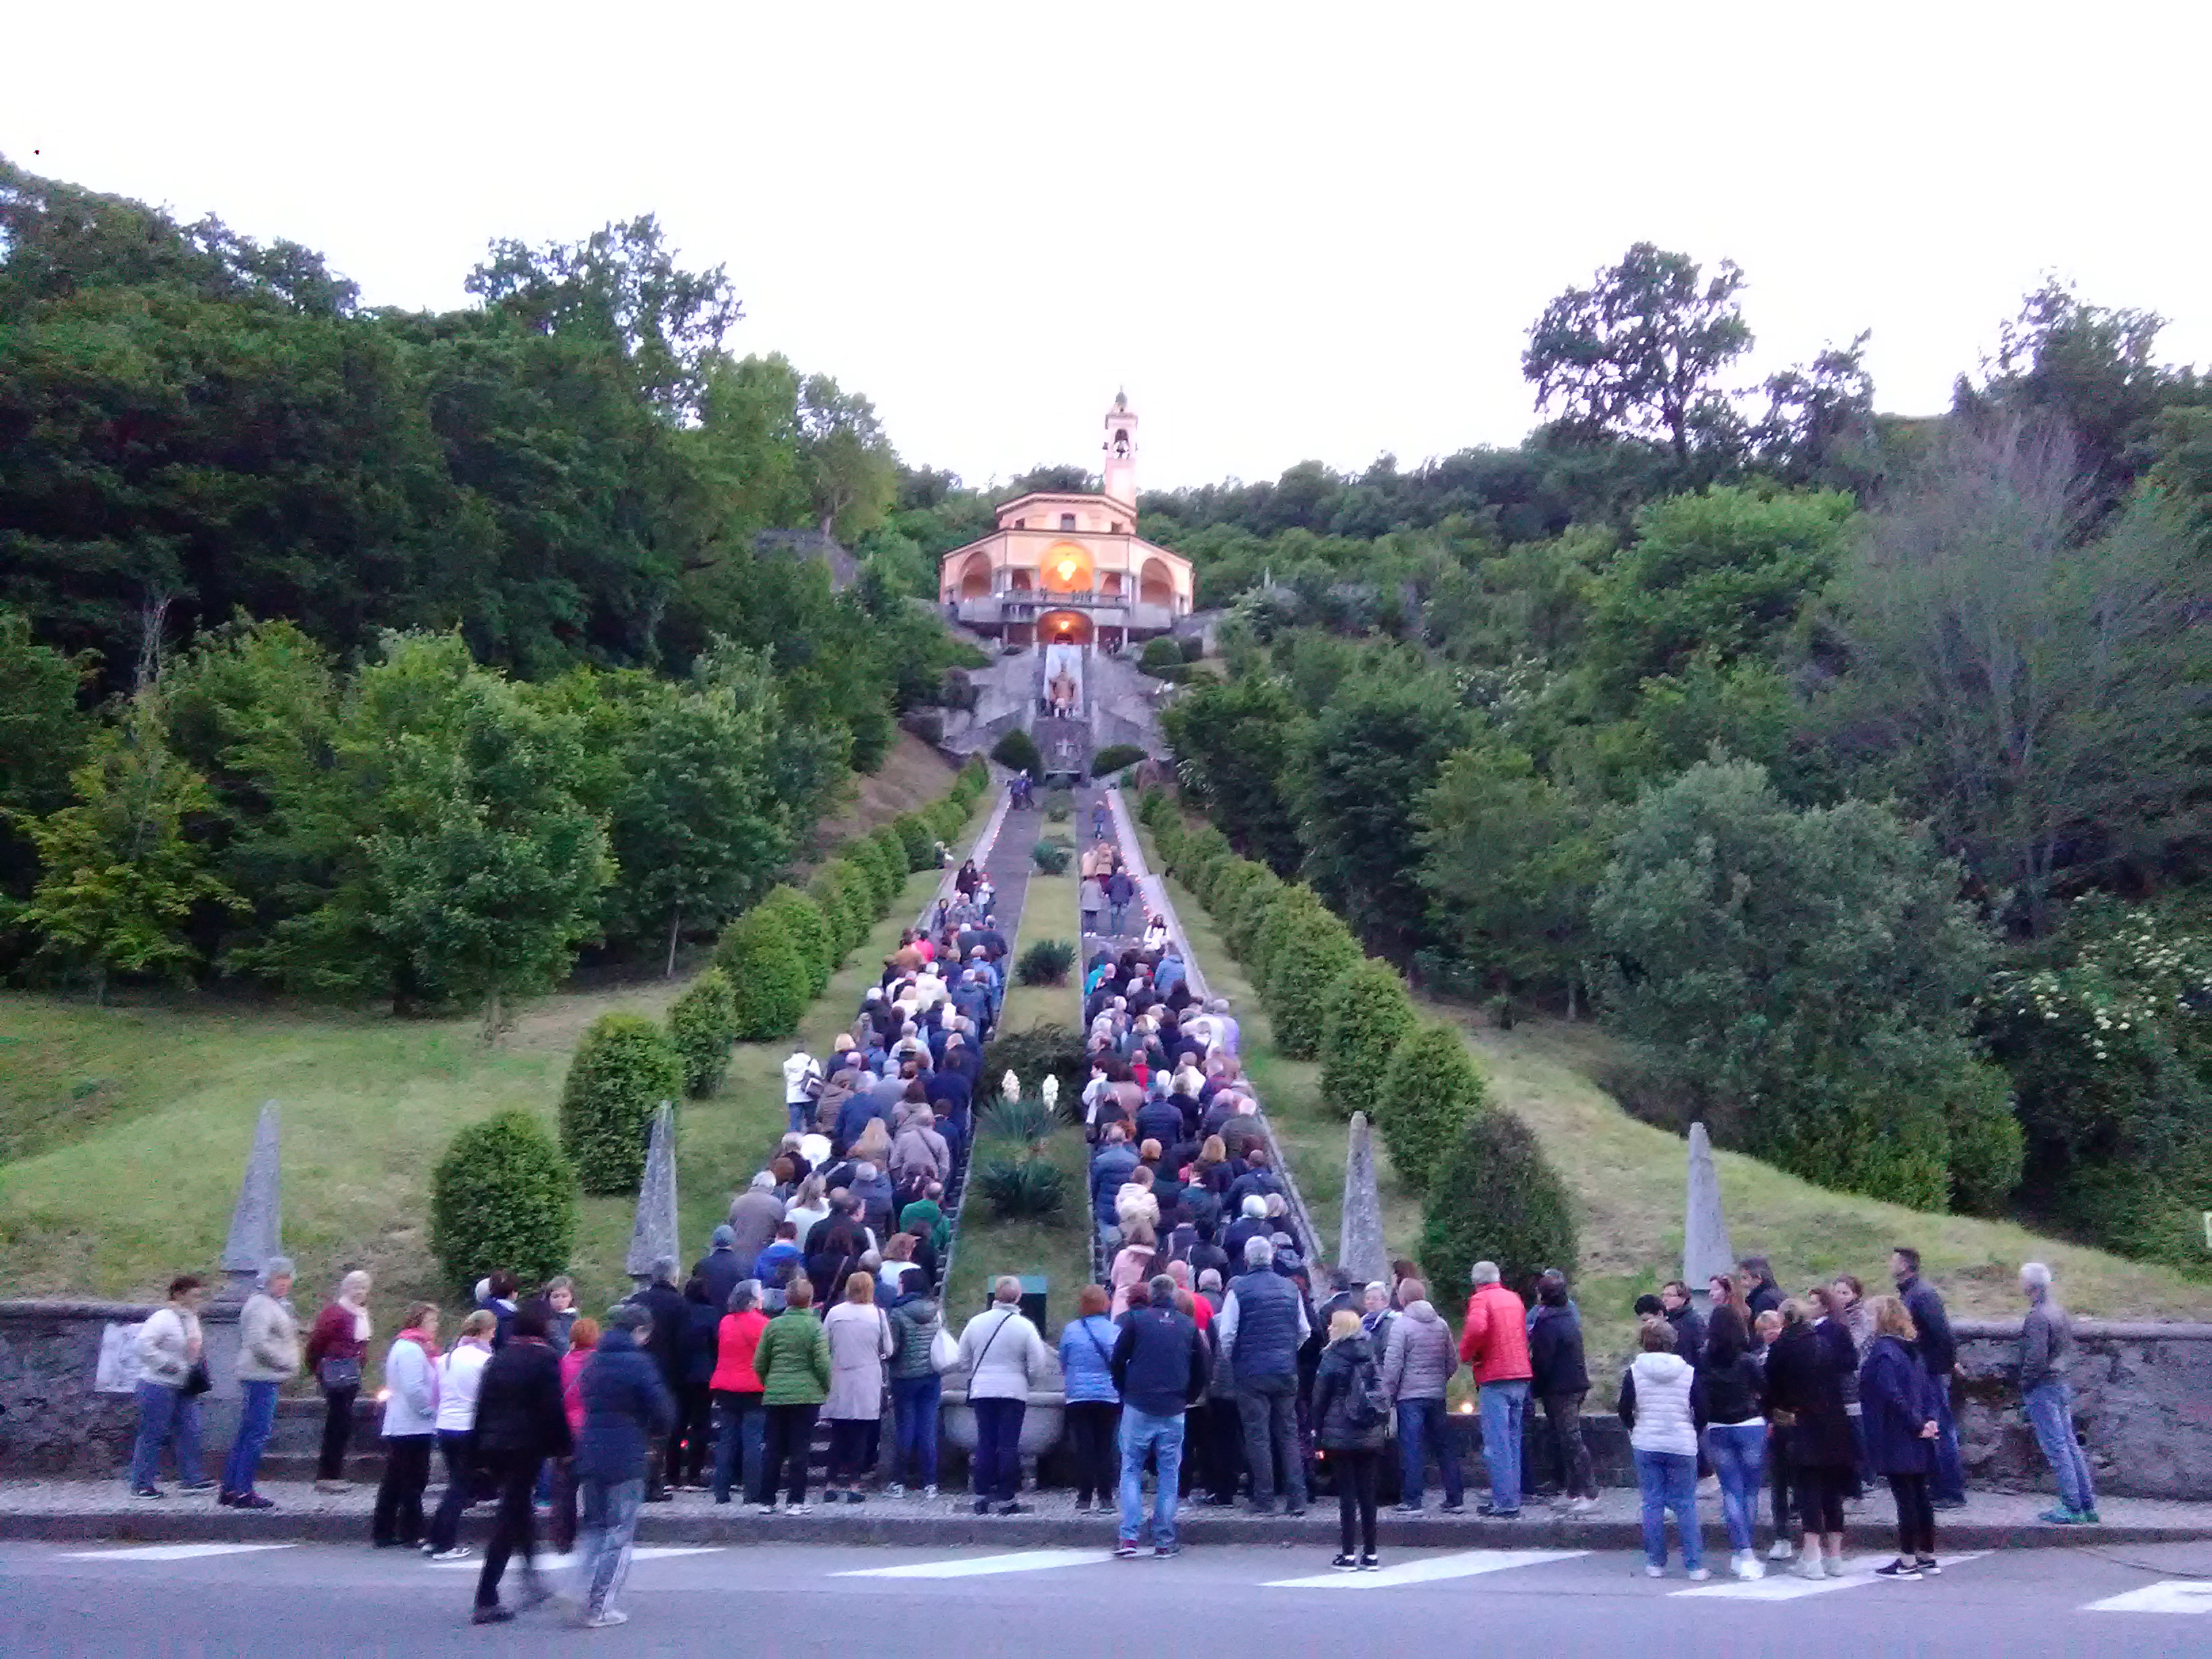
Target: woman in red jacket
x=735 y=1391
x=336 y=1347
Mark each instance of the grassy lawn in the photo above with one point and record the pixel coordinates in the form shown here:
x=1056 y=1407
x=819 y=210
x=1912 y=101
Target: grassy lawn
x=1627 y=1181
x=1060 y=1249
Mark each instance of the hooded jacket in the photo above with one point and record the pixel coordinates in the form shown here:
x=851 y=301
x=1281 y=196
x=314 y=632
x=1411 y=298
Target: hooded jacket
x=1654 y=1404
x=626 y=1408
x=1419 y=1357
x=1337 y=1382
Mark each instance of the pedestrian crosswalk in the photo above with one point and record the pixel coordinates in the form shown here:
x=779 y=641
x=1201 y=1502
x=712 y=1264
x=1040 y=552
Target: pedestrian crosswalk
x=169 y=1552
x=1787 y=1586
x=1428 y=1570
x=2167 y=1596
x=978 y=1566
x=556 y=1563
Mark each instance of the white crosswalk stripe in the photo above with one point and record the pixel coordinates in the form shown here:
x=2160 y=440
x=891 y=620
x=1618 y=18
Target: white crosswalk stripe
x=981 y=1565
x=1787 y=1586
x=558 y=1563
x=169 y=1552
x=1428 y=1570
x=2168 y=1595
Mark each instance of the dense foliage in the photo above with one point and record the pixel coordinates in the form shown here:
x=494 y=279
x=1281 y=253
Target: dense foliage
x=503 y=1196
x=623 y=1067
x=1495 y=1199
x=702 y=1024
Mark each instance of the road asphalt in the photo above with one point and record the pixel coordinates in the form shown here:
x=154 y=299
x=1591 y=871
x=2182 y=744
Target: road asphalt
x=798 y=1602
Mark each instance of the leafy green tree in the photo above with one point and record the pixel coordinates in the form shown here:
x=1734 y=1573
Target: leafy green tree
x=1359 y=773
x=1508 y=862
x=768 y=977
x=1301 y=976
x=460 y=867
x=43 y=738
x=1366 y=1016
x=1725 y=573
x=1801 y=975
x=1639 y=353
x=1232 y=742
x=120 y=870
x=850 y=465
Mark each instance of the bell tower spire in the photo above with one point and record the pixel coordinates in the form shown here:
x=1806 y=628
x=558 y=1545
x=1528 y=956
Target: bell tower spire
x=1121 y=447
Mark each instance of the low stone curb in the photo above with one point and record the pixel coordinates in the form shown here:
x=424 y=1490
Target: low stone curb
x=149 y=1522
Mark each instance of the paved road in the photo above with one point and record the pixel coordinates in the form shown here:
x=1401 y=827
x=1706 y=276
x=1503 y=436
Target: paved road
x=800 y=1602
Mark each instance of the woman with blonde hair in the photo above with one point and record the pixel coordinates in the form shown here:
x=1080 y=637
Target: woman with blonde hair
x=1350 y=1426
x=460 y=1372
x=1899 y=1404
x=1805 y=1369
x=860 y=1343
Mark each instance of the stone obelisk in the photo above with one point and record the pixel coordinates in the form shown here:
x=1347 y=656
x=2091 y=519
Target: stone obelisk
x=1361 y=1250
x=655 y=1233
x=1705 y=1249
x=257 y=1225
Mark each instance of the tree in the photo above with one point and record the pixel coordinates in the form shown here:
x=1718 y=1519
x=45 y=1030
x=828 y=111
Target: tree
x=1508 y=862
x=1818 y=427
x=1359 y=772
x=1232 y=742
x=42 y=738
x=502 y=1197
x=1431 y=1089
x=624 y=1068
x=2035 y=694
x=1800 y=975
x=1636 y=353
x=121 y=870
x=1497 y=1199
x=1367 y=1016
x=850 y=465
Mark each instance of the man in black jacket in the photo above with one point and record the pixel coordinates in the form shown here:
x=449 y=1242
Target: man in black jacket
x=664 y=1304
x=1559 y=1380
x=1937 y=1351
x=1160 y=1365
x=520 y=1422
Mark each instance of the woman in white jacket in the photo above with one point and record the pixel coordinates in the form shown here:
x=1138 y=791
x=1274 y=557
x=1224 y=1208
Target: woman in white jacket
x=169 y=1349
x=461 y=1374
x=859 y=1342
x=1663 y=1434
x=410 y=1421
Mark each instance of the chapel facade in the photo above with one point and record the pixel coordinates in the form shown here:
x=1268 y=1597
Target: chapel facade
x=1070 y=569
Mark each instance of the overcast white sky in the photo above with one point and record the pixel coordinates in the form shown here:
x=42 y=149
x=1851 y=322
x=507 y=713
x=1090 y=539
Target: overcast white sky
x=1291 y=232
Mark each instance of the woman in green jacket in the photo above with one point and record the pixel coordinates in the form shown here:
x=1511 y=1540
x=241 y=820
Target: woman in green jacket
x=793 y=1361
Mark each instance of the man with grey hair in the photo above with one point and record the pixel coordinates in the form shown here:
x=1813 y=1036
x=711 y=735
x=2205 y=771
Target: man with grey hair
x=268 y=1358
x=1004 y=1356
x=1494 y=1342
x=753 y=1215
x=1263 y=1324
x=2046 y=1354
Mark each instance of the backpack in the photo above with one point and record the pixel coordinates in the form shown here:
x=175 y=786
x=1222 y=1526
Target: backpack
x=1365 y=1404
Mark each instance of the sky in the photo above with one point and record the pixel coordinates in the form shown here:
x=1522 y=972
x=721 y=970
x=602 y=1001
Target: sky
x=1290 y=231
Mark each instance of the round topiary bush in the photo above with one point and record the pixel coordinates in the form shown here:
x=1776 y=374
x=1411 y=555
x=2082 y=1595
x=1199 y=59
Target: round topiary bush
x=1017 y=752
x=831 y=891
x=1050 y=856
x=1496 y=1199
x=1430 y=1091
x=1366 y=1015
x=624 y=1067
x=890 y=852
x=1241 y=925
x=1230 y=883
x=1306 y=970
x=503 y=1196
x=862 y=880
x=1160 y=652
x=809 y=929
x=867 y=855
x=918 y=841
x=701 y=1025
x=1047 y=961
x=768 y=978
x=1113 y=757
x=1296 y=913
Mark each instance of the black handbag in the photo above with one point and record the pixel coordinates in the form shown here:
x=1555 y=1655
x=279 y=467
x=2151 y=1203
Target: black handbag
x=197 y=1381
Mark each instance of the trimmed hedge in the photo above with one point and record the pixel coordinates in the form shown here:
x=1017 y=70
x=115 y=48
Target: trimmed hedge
x=624 y=1067
x=879 y=868
x=1432 y=1090
x=1050 y=857
x=503 y=1196
x=768 y=978
x=1017 y=752
x=1241 y=925
x=1029 y=1055
x=918 y=841
x=1114 y=756
x=1497 y=1200
x=1366 y=1016
x=810 y=930
x=701 y=1023
x=890 y=850
x=835 y=891
x=1047 y=962
x=1307 y=968
x=1295 y=913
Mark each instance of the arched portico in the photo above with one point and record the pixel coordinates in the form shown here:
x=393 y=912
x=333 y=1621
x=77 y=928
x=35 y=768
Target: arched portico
x=1064 y=628
x=1066 y=568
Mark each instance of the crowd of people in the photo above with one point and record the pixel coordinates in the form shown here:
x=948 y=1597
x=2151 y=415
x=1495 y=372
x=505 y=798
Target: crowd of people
x=819 y=1300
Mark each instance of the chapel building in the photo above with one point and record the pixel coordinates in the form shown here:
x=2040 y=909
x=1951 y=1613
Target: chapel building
x=1070 y=569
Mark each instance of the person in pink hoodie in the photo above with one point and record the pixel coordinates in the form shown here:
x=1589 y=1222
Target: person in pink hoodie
x=583 y=1342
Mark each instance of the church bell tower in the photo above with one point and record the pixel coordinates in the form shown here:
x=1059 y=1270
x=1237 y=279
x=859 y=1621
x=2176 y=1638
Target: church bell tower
x=1121 y=447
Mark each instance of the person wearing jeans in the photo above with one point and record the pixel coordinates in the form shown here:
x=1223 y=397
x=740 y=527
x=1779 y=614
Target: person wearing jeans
x=2047 y=1353
x=1160 y=1363
x=1663 y=1434
x=627 y=1408
x=1734 y=1390
x=1004 y=1356
x=735 y=1390
x=1494 y=1340
x=1418 y=1361
x=268 y=1357
x=169 y=1354
x=1263 y=1326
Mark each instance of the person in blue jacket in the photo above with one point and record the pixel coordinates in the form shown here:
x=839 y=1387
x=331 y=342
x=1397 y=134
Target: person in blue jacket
x=1094 y=1404
x=1898 y=1399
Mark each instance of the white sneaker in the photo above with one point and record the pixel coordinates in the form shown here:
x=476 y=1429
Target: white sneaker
x=1782 y=1550
x=458 y=1552
x=1833 y=1567
x=1710 y=1486
x=603 y=1620
x=1809 y=1568
x=1699 y=1575
x=1746 y=1566
x=897 y=1489
x=929 y=1492
x=1582 y=1506
x=1650 y=1572
x=763 y=1508
x=799 y=1508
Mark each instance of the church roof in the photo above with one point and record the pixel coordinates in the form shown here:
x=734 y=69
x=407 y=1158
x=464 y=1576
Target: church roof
x=1066 y=495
